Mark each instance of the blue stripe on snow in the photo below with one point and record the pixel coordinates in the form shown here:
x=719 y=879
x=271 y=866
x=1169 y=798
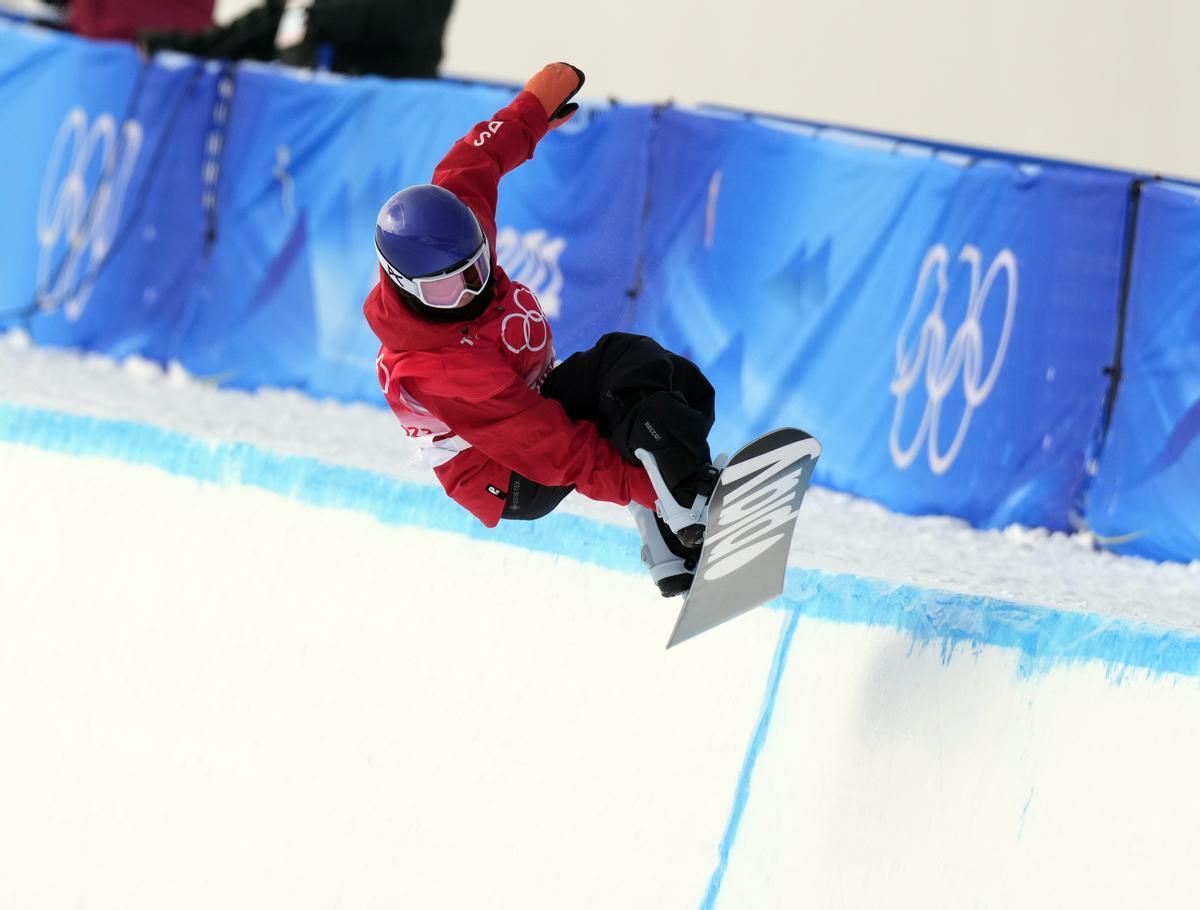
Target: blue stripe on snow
x=742 y=792
x=390 y=500
x=1044 y=637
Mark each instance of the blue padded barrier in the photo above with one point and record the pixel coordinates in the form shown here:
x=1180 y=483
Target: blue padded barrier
x=902 y=142
x=224 y=216
x=942 y=317
x=311 y=161
x=943 y=329
x=1146 y=498
x=104 y=228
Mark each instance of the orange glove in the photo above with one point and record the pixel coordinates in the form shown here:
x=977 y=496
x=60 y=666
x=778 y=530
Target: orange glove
x=555 y=85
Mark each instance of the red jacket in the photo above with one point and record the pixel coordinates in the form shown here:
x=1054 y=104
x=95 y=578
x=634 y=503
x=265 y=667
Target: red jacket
x=125 y=18
x=468 y=391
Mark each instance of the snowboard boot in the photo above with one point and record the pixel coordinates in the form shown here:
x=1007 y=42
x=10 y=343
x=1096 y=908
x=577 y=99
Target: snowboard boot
x=672 y=565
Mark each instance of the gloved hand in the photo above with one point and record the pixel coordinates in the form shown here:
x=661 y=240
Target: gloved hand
x=555 y=85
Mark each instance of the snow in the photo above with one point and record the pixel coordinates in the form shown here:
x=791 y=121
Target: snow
x=215 y=695
x=837 y=533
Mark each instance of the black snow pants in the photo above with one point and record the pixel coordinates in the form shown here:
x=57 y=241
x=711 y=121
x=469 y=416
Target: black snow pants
x=641 y=396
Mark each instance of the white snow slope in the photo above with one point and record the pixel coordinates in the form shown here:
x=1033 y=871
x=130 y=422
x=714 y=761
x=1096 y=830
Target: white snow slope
x=248 y=658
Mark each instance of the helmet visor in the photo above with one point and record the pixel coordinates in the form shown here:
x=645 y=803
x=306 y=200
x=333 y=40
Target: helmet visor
x=449 y=291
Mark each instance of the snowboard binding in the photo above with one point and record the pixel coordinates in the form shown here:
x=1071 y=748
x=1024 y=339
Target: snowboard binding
x=686 y=522
x=693 y=535
x=671 y=564
x=673 y=534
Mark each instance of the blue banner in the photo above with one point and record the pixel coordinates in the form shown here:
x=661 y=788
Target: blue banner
x=1146 y=498
x=307 y=165
x=224 y=217
x=102 y=233
x=941 y=324
x=942 y=321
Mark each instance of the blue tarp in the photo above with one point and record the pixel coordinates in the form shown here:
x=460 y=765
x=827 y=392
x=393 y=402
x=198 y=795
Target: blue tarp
x=942 y=329
x=223 y=216
x=308 y=165
x=942 y=321
x=103 y=231
x=1146 y=498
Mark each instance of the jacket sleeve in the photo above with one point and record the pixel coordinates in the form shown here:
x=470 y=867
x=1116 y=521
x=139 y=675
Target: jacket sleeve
x=516 y=427
x=474 y=165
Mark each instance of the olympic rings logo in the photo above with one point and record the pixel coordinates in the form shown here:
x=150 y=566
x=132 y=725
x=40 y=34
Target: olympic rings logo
x=533 y=333
x=942 y=366
x=86 y=220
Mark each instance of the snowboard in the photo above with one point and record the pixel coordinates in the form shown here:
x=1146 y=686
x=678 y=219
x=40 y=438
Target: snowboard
x=751 y=517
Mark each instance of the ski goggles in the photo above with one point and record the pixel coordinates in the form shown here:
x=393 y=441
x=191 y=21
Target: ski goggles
x=445 y=290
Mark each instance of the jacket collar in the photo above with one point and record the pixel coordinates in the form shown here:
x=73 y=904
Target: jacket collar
x=400 y=329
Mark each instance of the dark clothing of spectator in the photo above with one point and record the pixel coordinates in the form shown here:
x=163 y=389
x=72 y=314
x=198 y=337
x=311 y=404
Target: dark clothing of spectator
x=123 y=19
x=396 y=38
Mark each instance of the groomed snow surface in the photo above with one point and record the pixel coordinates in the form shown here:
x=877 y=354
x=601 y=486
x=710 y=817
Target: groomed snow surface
x=839 y=533
x=249 y=657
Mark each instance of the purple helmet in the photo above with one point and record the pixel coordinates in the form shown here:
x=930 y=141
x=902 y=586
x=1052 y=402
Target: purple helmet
x=431 y=246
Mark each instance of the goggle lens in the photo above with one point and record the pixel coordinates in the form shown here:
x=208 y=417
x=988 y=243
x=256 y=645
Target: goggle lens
x=446 y=291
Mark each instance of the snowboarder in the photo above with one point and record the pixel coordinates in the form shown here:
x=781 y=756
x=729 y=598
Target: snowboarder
x=467 y=359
